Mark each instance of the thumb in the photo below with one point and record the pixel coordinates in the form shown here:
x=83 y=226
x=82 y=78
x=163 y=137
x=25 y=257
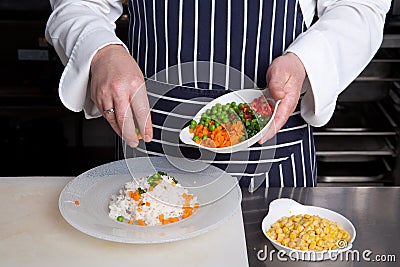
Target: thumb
x=276 y=84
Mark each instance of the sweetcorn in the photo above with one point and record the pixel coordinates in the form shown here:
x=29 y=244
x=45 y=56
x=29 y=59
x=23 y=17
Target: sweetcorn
x=308 y=232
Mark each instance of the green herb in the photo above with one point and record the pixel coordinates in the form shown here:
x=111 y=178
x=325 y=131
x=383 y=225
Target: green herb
x=141 y=191
x=174 y=180
x=143 y=204
x=162 y=173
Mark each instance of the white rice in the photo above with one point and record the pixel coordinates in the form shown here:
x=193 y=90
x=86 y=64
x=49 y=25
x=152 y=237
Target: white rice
x=165 y=198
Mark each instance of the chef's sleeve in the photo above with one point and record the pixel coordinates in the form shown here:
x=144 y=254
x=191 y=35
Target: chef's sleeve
x=78 y=29
x=335 y=49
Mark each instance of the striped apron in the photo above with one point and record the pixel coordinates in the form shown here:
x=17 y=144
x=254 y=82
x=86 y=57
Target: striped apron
x=192 y=51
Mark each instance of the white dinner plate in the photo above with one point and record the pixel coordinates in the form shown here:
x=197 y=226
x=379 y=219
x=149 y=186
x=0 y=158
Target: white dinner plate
x=218 y=194
x=240 y=96
x=287 y=207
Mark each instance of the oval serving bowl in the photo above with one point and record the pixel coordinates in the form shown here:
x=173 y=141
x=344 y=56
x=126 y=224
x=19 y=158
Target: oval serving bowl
x=240 y=96
x=287 y=207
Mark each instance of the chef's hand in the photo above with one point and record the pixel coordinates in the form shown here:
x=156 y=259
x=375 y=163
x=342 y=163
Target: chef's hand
x=285 y=77
x=116 y=82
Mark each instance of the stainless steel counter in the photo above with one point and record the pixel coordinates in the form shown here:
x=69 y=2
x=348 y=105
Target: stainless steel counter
x=374 y=211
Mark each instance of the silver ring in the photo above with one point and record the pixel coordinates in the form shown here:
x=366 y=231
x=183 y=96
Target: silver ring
x=109 y=111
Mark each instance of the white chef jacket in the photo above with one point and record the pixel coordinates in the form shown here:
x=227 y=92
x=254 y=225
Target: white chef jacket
x=334 y=50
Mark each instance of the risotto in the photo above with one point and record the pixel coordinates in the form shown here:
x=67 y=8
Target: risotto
x=154 y=200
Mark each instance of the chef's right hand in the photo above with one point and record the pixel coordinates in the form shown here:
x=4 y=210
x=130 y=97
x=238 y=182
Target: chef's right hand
x=116 y=82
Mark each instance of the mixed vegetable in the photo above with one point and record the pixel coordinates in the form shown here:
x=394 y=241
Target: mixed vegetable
x=228 y=124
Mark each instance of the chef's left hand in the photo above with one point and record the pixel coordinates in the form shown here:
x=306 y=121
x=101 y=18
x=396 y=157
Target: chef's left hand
x=285 y=77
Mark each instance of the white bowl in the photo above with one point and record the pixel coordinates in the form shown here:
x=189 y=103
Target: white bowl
x=287 y=207
x=240 y=96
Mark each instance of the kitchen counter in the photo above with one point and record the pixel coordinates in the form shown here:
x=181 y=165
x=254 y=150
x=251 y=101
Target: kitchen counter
x=374 y=211
x=33 y=232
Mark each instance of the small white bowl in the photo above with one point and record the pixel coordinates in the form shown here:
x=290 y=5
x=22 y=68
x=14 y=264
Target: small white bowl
x=240 y=96
x=287 y=207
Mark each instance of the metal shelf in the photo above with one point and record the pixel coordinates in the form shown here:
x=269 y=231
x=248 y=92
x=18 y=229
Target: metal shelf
x=359 y=119
x=360 y=172
x=353 y=146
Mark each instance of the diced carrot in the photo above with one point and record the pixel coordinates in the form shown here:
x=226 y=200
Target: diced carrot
x=196 y=205
x=135 y=195
x=77 y=203
x=161 y=217
x=148 y=204
x=139 y=209
x=140 y=222
x=130 y=222
x=173 y=219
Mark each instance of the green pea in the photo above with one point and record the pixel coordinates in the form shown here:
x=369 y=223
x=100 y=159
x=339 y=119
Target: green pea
x=225 y=108
x=240 y=105
x=204 y=137
x=193 y=122
x=120 y=218
x=211 y=127
x=225 y=120
x=218 y=105
x=206 y=124
x=208 y=111
x=233 y=104
x=196 y=137
x=191 y=126
x=217 y=124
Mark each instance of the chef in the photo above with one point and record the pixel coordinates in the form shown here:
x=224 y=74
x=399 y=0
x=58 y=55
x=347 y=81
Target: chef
x=279 y=44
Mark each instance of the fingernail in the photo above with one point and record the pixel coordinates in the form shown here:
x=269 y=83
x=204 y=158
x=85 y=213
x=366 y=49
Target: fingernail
x=147 y=138
x=133 y=144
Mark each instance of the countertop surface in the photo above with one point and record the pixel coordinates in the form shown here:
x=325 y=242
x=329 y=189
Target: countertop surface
x=33 y=233
x=374 y=211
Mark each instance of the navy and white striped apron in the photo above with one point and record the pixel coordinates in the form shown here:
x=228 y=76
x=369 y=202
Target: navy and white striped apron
x=191 y=51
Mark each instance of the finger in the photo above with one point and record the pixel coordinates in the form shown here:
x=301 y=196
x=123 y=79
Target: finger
x=283 y=112
x=271 y=131
x=276 y=81
x=141 y=109
x=110 y=117
x=125 y=121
